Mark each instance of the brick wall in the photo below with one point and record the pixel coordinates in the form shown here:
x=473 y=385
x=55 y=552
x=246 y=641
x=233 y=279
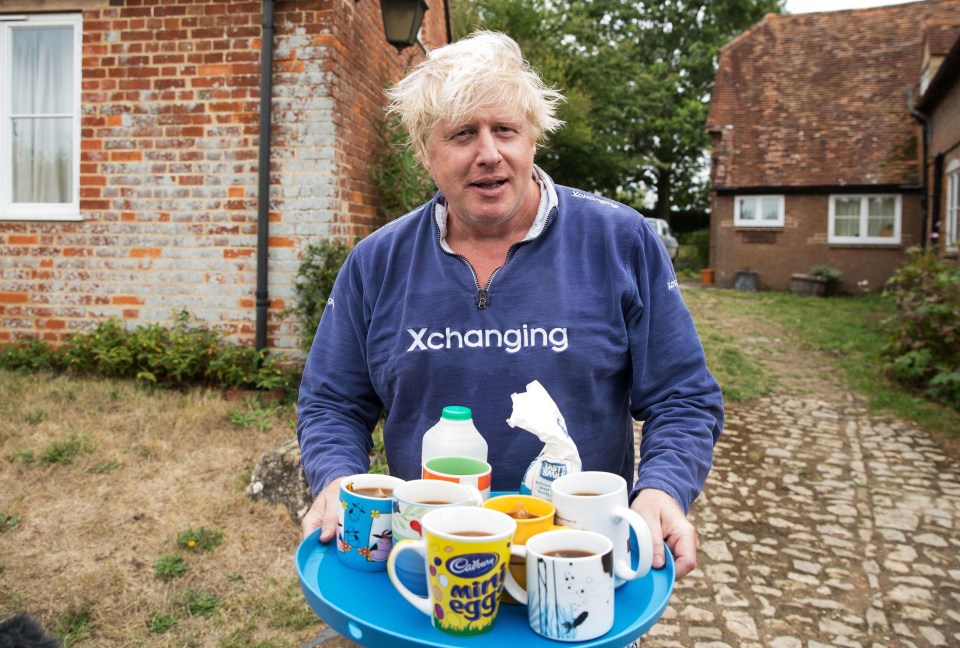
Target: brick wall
x=776 y=253
x=168 y=184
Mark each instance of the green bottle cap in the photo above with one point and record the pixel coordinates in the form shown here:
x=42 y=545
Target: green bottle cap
x=457 y=413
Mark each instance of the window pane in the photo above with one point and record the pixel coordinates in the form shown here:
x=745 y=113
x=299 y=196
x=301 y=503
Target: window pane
x=42 y=71
x=881 y=214
x=846 y=220
x=748 y=209
x=42 y=155
x=847 y=207
x=771 y=209
x=953 y=208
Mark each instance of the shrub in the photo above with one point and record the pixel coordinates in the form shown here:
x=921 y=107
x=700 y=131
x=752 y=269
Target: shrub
x=185 y=353
x=315 y=277
x=831 y=274
x=403 y=183
x=30 y=354
x=923 y=347
x=699 y=240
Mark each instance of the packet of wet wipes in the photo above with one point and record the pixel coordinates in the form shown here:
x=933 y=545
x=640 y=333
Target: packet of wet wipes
x=535 y=411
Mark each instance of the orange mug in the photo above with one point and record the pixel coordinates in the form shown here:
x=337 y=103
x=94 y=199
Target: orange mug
x=533 y=515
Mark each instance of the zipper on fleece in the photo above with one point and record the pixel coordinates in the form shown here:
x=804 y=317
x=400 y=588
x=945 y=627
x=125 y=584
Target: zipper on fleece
x=482 y=292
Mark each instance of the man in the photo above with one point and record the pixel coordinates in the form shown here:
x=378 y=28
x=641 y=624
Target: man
x=505 y=278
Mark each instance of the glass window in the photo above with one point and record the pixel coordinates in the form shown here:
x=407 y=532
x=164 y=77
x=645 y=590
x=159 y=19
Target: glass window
x=865 y=219
x=39 y=125
x=953 y=205
x=758 y=211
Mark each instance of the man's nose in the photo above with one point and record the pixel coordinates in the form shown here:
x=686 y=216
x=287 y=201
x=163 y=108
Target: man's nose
x=487 y=150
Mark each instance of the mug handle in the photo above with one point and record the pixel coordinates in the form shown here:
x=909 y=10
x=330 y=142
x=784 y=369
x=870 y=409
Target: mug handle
x=518 y=593
x=476 y=497
x=419 y=547
x=644 y=543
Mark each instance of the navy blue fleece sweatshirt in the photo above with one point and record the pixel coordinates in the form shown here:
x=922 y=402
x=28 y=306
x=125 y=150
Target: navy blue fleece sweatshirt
x=588 y=304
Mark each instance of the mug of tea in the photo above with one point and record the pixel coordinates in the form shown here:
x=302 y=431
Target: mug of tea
x=411 y=501
x=570 y=591
x=364 y=521
x=597 y=501
x=465 y=551
x=460 y=470
x=533 y=515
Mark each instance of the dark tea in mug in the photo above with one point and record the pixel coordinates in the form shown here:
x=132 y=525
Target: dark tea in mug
x=568 y=553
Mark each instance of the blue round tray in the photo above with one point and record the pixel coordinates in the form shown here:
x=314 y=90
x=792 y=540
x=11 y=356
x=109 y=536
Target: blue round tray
x=365 y=607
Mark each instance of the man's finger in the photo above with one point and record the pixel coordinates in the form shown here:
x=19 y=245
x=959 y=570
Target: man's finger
x=683 y=546
x=329 y=524
x=312 y=520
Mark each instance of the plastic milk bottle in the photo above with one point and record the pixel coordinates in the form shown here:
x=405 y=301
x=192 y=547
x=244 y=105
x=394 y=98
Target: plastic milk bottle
x=454 y=435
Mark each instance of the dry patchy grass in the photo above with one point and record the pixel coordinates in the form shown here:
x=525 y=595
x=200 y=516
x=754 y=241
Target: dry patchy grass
x=99 y=478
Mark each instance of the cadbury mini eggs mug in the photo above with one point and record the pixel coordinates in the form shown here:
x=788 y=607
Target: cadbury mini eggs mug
x=466 y=552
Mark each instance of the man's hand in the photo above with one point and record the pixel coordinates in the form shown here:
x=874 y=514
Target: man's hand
x=668 y=523
x=323 y=512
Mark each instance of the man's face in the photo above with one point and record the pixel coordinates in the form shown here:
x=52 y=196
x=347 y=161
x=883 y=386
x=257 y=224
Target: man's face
x=483 y=165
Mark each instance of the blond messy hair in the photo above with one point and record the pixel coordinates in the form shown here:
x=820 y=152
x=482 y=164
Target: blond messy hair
x=483 y=69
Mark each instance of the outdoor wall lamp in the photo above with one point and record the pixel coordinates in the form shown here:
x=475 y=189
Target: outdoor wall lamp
x=402 y=20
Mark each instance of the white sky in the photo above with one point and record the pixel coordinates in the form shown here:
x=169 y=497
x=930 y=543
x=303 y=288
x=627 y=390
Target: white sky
x=807 y=6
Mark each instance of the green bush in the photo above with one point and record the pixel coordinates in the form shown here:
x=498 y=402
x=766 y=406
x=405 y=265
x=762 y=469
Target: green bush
x=403 y=182
x=699 y=240
x=831 y=274
x=30 y=354
x=185 y=353
x=923 y=347
x=315 y=277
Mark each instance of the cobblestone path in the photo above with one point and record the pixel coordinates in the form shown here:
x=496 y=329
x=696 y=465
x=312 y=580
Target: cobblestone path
x=821 y=524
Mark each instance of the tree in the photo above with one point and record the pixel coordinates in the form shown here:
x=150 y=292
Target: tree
x=637 y=76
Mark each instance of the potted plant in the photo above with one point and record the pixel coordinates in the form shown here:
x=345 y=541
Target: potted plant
x=817 y=282
x=831 y=274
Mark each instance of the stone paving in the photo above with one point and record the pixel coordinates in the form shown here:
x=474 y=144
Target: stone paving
x=821 y=524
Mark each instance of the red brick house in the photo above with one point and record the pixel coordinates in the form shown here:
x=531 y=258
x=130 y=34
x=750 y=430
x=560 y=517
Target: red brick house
x=817 y=157
x=938 y=109
x=130 y=146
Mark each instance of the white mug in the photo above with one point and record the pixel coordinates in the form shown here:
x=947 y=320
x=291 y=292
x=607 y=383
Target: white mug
x=411 y=501
x=597 y=501
x=569 y=590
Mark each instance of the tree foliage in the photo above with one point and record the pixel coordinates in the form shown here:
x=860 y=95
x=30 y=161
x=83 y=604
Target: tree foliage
x=637 y=77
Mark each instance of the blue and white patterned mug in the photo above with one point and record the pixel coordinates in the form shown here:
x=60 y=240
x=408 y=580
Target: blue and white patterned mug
x=364 y=521
x=411 y=501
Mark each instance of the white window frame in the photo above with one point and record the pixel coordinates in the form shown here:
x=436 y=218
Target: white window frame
x=740 y=222
x=66 y=211
x=866 y=240
x=951 y=221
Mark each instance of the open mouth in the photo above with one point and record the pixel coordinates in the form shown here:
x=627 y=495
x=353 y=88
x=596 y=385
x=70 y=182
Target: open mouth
x=490 y=185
